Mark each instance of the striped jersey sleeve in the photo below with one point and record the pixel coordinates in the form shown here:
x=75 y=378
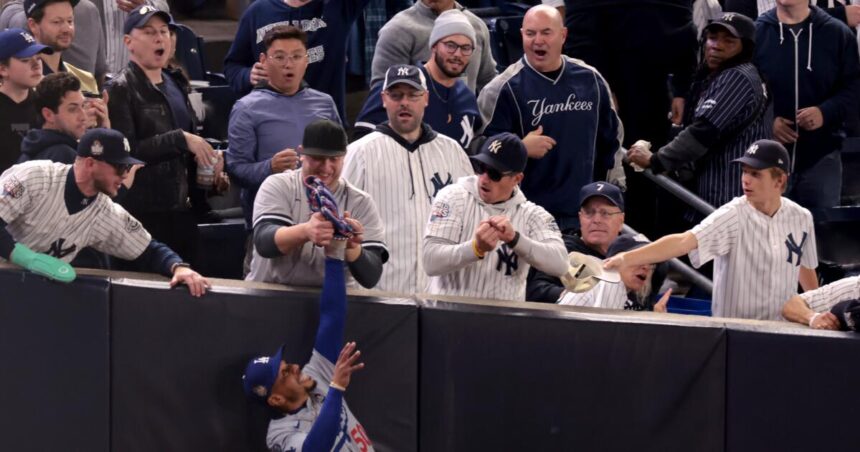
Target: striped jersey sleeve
x=446 y=215
x=731 y=94
x=717 y=234
x=823 y=298
x=21 y=187
x=603 y=295
x=809 y=258
x=541 y=225
x=275 y=198
x=118 y=233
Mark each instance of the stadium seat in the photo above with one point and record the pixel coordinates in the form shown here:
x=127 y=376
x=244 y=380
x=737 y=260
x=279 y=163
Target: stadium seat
x=507 y=43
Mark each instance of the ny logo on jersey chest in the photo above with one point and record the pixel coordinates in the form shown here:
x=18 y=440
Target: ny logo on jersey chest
x=439 y=184
x=58 y=251
x=508 y=258
x=795 y=248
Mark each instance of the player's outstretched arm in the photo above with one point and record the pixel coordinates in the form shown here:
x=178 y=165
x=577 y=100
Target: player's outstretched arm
x=332 y=310
x=666 y=248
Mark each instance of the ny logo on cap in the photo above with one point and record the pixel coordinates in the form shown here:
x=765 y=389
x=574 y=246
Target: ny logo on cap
x=495 y=146
x=403 y=71
x=27 y=37
x=728 y=17
x=125 y=145
x=146 y=10
x=752 y=150
x=97 y=148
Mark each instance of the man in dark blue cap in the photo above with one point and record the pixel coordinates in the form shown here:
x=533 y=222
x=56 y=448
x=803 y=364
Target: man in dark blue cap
x=762 y=244
x=50 y=211
x=20 y=72
x=483 y=235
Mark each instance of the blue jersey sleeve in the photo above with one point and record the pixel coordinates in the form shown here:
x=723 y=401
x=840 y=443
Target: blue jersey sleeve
x=325 y=429
x=332 y=311
x=241 y=56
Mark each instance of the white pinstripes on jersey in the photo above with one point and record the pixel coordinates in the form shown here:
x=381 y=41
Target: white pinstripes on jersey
x=501 y=275
x=32 y=203
x=756 y=266
x=403 y=184
x=603 y=295
x=823 y=298
x=282 y=197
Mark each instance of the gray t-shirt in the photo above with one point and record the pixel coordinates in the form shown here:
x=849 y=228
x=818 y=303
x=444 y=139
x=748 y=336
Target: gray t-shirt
x=283 y=198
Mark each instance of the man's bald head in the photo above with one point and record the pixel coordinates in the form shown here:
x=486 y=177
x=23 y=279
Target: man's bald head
x=543 y=37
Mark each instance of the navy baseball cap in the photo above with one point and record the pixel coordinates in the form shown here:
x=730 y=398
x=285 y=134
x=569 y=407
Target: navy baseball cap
x=261 y=374
x=139 y=16
x=848 y=313
x=324 y=138
x=405 y=73
x=107 y=145
x=738 y=25
x=18 y=43
x=765 y=154
x=624 y=243
x=31 y=5
x=504 y=152
x=604 y=189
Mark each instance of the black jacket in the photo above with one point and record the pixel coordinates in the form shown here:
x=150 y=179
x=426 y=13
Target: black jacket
x=142 y=113
x=545 y=288
x=41 y=144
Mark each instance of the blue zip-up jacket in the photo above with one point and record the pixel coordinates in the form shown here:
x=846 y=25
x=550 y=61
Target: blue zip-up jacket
x=820 y=67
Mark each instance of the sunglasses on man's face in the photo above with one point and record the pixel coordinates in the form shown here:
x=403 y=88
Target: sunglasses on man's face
x=494 y=174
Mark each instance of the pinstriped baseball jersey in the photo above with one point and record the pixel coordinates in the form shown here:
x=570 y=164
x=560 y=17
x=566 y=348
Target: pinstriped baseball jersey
x=757 y=258
x=457 y=212
x=403 y=183
x=823 y=298
x=603 y=295
x=32 y=203
x=283 y=198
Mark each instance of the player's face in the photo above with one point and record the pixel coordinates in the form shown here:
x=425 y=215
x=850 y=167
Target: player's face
x=405 y=107
x=720 y=46
x=22 y=73
x=107 y=177
x=70 y=117
x=543 y=37
x=761 y=185
x=493 y=191
x=453 y=63
x=603 y=225
x=57 y=28
x=328 y=169
x=636 y=277
x=149 y=45
x=286 y=62
x=292 y=384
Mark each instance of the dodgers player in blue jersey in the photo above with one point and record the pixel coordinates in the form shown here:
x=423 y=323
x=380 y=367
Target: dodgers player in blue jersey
x=561 y=108
x=453 y=108
x=312 y=414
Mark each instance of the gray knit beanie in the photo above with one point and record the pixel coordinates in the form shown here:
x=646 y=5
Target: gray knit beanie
x=451 y=22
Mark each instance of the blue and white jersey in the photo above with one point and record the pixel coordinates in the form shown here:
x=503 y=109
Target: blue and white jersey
x=453 y=111
x=575 y=109
x=289 y=432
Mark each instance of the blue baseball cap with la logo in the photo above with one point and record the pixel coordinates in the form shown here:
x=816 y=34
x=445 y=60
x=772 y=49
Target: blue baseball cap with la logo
x=18 y=43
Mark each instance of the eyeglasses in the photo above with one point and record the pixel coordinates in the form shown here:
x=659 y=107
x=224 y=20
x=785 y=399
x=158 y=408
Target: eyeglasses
x=396 y=96
x=601 y=213
x=295 y=59
x=494 y=174
x=451 y=47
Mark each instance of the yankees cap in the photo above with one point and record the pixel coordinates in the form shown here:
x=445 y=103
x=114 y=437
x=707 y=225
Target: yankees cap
x=139 y=16
x=260 y=375
x=404 y=73
x=17 y=43
x=107 y=145
x=848 y=314
x=738 y=25
x=31 y=5
x=504 y=152
x=324 y=138
x=604 y=189
x=765 y=154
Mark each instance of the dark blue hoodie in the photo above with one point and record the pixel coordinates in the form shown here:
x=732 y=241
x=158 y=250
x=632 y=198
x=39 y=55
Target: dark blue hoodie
x=819 y=68
x=53 y=145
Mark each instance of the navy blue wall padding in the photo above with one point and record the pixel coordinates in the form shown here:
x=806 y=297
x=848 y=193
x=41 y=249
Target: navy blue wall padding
x=53 y=364
x=177 y=364
x=514 y=379
x=791 y=392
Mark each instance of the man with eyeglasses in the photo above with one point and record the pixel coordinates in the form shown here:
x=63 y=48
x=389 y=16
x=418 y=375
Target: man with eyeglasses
x=601 y=217
x=483 y=235
x=452 y=109
x=402 y=165
x=267 y=125
x=150 y=106
x=50 y=211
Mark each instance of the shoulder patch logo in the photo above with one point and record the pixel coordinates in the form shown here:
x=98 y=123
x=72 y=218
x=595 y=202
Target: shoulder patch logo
x=131 y=225
x=12 y=188
x=440 y=210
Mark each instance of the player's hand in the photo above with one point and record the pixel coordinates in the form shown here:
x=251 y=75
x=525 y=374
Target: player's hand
x=783 y=130
x=677 y=113
x=537 y=144
x=284 y=160
x=197 y=284
x=318 y=230
x=357 y=231
x=852 y=15
x=639 y=156
x=128 y=180
x=662 y=304
x=615 y=262
x=826 y=321
x=258 y=74
x=503 y=224
x=203 y=152
x=346 y=364
x=486 y=237
x=810 y=118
